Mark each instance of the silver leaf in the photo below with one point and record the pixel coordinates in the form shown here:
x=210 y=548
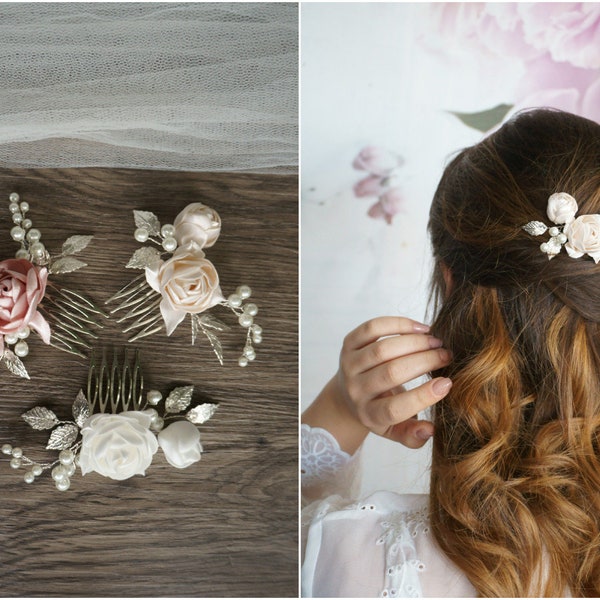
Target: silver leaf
x=535 y=228
x=179 y=399
x=147 y=220
x=143 y=257
x=195 y=319
x=76 y=243
x=66 y=265
x=209 y=321
x=81 y=409
x=62 y=437
x=201 y=414
x=40 y=418
x=215 y=342
x=14 y=364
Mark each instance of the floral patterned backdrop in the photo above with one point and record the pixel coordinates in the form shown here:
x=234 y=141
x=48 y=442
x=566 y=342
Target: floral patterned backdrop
x=389 y=92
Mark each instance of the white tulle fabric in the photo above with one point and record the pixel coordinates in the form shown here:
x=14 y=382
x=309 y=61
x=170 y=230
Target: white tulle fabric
x=194 y=86
x=380 y=546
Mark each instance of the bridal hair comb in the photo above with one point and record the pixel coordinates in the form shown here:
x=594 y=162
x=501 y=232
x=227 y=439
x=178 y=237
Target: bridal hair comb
x=579 y=235
x=179 y=280
x=29 y=300
x=115 y=430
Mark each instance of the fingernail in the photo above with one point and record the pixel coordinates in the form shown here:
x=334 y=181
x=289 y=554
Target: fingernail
x=434 y=342
x=441 y=386
x=445 y=355
x=424 y=434
x=420 y=327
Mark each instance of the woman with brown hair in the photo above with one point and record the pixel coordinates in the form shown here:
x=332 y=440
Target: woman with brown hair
x=514 y=350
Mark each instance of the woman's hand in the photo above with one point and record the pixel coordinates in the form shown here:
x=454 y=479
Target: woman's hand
x=367 y=392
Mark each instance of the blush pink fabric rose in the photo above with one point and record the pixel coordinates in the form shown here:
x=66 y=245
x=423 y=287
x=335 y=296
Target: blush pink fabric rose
x=389 y=204
x=197 y=224
x=369 y=186
x=22 y=287
x=188 y=283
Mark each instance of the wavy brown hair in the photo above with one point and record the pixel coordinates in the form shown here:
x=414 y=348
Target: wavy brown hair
x=515 y=483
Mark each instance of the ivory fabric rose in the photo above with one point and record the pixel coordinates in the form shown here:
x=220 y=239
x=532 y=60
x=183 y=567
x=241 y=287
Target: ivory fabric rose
x=188 y=283
x=180 y=442
x=561 y=208
x=117 y=446
x=22 y=288
x=197 y=224
x=583 y=236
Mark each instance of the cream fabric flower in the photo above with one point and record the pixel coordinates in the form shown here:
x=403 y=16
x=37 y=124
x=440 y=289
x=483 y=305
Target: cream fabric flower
x=197 y=224
x=188 y=283
x=561 y=208
x=180 y=442
x=117 y=446
x=583 y=236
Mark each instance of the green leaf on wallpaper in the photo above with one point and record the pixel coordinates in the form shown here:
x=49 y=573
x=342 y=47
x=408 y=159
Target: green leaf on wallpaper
x=485 y=120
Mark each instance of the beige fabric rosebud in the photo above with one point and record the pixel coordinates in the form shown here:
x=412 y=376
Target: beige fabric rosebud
x=197 y=224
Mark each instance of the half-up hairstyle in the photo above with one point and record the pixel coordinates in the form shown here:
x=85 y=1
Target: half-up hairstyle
x=515 y=483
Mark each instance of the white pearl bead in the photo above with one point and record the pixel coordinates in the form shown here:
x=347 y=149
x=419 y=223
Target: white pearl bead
x=544 y=247
x=13 y=207
x=257 y=339
x=29 y=477
x=157 y=423
x=70 y=469
x=167 y=231
x=66 y=457
x=234 y=300
x=17 y=233
x=63 y=484
x=24 y=206
x=553 y=231
x=169 y=244
x=250 y=354
x=22 y=253
x=244 y=291
x=17 y=452
x=15 y=463
x=36 y=470
x=17 y=218
x=153 y=397
x=34 y=235
x=26 y=223
x=256 y=329
x=11 y=338
x=7 y=449
x=37 y=249
x=59 y=473
x=23 y=333
x=243 y=361
x=562 y=238
x=245 y=320
x=251 y=309
x=21 y=349
x=14 y=197
x=141 y=235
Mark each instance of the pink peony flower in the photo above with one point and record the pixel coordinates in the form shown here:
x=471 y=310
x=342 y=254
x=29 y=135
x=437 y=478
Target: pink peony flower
x=389 y=204
x=376 y=160
x=22 y=287
x=369 y=186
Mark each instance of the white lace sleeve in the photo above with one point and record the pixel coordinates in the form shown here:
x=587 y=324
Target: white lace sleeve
x=326 y=469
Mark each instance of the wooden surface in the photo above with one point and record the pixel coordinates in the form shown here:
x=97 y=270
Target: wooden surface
x=226 y=526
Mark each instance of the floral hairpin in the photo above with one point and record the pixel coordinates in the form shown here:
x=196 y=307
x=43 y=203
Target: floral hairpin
x=64 y=318
x=579 y=235
x=179 y=280
x=115 y=431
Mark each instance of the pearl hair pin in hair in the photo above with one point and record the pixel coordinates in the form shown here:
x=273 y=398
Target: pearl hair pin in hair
x=29 y=300
x=179 y=280
x=579 y=235
x=116 y=430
